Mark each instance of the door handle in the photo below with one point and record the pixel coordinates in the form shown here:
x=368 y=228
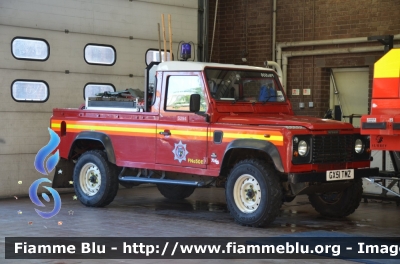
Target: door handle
x=165 y=133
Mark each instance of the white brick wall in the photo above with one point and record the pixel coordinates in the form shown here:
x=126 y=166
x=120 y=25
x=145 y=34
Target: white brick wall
x=23 y=126
x=120 y=18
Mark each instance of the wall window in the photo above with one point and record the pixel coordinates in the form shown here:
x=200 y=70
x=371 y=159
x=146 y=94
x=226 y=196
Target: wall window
x=152 y=55
x=179 y=90
x=91 y=89
x=99 y=54
x=30 y=49
x=30 y=91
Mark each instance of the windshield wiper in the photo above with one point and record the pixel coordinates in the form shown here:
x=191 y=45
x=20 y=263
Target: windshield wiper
x=239 y=100
x=272 y=96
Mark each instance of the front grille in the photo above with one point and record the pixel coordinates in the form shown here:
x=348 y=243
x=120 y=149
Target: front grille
x=332 y=148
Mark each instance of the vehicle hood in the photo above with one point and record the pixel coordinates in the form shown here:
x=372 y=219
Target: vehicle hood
x=311 y=123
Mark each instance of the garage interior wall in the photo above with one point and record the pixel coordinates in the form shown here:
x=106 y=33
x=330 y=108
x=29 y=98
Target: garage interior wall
x=244 y=29
x=351 y=83
x=129 y=26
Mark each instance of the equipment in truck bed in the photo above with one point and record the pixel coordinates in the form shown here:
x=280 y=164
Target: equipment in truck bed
x=128 y=100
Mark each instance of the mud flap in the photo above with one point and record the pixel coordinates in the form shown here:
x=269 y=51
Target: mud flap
x=63 y=174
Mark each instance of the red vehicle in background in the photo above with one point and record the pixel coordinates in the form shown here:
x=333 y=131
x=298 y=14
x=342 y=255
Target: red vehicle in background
x=204 y=124
x=383 y=124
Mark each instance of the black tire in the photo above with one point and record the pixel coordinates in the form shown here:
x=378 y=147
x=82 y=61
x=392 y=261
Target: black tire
x=175 y=192
x=101 y=193
x=258 y=205
x=338 y=204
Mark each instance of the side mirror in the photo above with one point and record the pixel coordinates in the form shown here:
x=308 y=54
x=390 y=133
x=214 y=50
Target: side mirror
x=194 y=103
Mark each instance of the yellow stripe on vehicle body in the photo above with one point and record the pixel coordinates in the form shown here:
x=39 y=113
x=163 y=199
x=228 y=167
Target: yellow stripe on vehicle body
x=254 y=136
x=181 y=132
x=185 y=132
x=111 y=128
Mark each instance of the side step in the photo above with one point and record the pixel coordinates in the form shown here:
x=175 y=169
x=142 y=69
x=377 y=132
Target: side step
x=160 y=181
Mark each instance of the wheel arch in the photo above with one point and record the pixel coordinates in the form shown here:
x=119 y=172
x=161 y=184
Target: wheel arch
x=255 y=146
x=92 y=136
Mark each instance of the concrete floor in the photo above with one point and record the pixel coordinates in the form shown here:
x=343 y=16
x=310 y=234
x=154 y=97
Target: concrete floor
x=143 y=212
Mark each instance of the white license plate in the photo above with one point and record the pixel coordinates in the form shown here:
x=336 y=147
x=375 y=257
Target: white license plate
x=337 y=175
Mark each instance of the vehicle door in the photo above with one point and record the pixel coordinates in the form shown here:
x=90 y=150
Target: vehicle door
x=181 y=134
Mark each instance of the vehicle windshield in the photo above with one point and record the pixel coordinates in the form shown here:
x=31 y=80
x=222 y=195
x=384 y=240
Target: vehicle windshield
x=246 y=86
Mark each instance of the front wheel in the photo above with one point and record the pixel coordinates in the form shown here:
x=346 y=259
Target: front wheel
x=95 y=179
x=338 y=204
x=253 y=193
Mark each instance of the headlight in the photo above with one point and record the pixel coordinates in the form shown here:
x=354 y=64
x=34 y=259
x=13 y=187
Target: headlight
x=302 y=148
x=359 y=146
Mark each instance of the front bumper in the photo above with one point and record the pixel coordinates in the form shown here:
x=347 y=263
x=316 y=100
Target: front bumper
x=321 y=176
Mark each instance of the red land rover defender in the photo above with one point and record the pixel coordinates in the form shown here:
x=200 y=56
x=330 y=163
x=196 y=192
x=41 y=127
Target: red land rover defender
x=204 y=124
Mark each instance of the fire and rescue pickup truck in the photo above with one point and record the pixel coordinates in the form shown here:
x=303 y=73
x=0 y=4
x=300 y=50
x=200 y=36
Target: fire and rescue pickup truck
x=206 y=124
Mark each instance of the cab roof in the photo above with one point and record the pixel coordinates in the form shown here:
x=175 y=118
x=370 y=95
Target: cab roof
x=199 y=66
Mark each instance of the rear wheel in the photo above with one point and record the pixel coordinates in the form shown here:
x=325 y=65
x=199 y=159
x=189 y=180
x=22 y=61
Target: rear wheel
x=338 y=204
x=253 y=193
x=96 y=180
x=175 y=192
